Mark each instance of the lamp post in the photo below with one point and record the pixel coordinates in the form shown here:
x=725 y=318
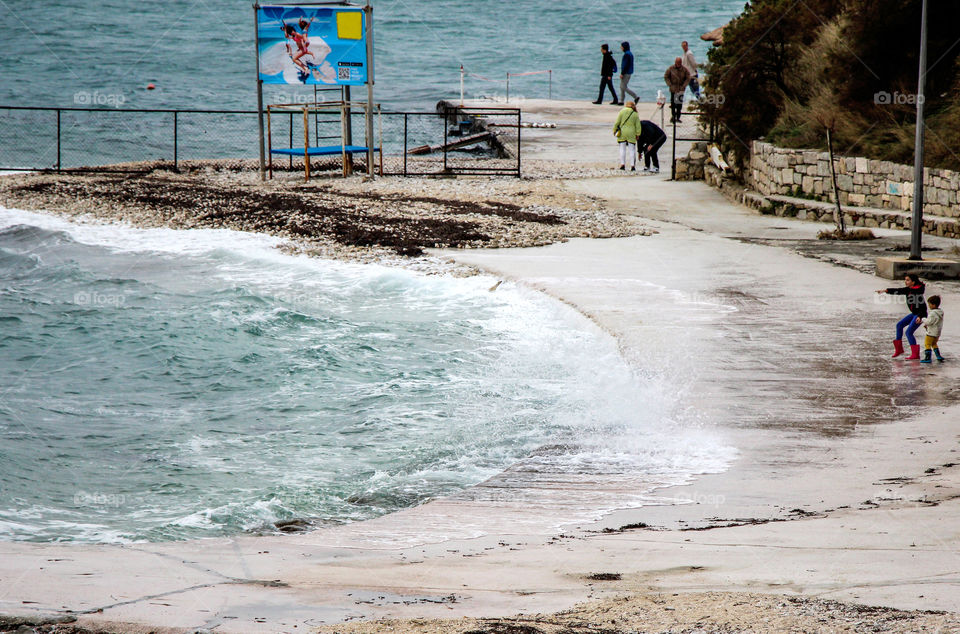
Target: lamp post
x=916 y=235
x=368 y=22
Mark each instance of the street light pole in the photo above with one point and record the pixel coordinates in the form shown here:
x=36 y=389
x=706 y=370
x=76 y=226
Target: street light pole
x=916 y=236
x=368 y=22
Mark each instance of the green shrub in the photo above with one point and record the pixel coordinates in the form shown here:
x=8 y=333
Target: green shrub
x=789 y=70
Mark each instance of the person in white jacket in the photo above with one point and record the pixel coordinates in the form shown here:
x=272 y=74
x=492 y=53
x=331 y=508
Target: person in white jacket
x=933 y=324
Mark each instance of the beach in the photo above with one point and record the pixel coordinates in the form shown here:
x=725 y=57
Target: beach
x=833 y=506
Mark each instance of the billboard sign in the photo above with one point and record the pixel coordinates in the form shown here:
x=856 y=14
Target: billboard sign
x=312 y=45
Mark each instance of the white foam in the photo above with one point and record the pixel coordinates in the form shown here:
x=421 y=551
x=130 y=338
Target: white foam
x=622 y=418
x=123 y=237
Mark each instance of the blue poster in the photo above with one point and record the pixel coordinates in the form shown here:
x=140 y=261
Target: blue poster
x=310 y=45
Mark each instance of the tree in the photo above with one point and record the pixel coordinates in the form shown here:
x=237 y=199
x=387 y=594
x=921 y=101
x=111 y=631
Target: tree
x=752 y=68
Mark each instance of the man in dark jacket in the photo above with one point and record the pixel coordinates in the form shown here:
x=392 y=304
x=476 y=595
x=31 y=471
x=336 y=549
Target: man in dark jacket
x=677 y=78
x=607 y=69
x=626 y=71
x=649 y=142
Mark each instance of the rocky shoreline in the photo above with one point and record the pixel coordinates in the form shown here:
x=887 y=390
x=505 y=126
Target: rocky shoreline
x=387 y=220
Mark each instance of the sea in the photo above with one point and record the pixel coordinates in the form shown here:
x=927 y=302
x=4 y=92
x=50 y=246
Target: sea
x=162 y=385
x=202 y=54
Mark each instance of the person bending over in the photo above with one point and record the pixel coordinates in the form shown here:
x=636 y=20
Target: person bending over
x=649 y=142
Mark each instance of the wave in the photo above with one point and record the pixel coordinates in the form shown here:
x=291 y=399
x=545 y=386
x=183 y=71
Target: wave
x=210 y=384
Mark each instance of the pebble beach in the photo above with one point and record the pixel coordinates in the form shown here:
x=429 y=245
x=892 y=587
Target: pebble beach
x=349 y=219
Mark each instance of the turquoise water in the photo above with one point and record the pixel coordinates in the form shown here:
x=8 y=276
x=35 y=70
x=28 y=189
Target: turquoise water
x=201 y=54
x=160 y=384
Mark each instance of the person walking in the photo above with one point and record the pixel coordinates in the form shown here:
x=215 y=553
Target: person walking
x=607 y=68
x=649 y=142
x=690 y=63
x=626 y=71
x=913 y=290
x=626 y=128
x=677 y=78
x=933 y=324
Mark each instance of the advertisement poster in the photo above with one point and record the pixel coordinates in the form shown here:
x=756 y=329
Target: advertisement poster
x=312 y=45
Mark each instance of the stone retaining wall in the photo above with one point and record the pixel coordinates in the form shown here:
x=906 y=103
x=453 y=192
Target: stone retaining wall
x=862 y=182
x=690 y=167
x=820 y=211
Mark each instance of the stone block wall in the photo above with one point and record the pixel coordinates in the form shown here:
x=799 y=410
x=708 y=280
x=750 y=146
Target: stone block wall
x=690 y=167
x=862 y=182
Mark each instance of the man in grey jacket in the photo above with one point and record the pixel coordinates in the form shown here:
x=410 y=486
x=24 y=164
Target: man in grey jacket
x=690 y=63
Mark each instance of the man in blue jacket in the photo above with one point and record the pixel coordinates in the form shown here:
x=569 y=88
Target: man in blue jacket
x=607 y=69
x=626 y=71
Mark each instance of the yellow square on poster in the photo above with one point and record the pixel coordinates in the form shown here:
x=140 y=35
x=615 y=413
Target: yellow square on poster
x=350 y=25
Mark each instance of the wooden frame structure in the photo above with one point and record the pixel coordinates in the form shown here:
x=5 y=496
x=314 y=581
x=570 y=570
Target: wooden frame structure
x=345 y=149
x=368 y=106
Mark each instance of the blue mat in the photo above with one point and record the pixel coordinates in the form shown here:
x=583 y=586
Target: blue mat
x=324 y=150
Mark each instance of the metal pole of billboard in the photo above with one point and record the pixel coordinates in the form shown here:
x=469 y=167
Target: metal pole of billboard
x=368 y=13
x=316 y=118
x=916 y=227
x=175 y=148
x=348 y=131
x=256 y=30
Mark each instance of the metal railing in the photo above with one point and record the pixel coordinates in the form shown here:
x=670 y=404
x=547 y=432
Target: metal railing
x=549 y=74
x=93 y=139
x=445 y=142
x=117 y=140
x=465 y=73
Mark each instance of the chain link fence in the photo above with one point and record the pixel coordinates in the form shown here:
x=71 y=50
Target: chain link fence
x=450 y=141
x=467 y=141
x=691 y=128
x=103 y=139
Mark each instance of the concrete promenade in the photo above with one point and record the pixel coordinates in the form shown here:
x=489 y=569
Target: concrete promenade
x=846 y=484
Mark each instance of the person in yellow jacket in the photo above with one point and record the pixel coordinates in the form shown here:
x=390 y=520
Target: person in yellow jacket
x=627 y=129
